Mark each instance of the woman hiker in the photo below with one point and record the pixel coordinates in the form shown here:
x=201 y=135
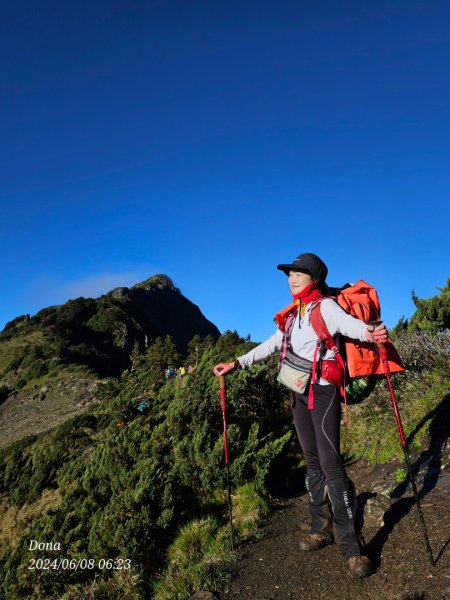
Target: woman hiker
x=331 y=493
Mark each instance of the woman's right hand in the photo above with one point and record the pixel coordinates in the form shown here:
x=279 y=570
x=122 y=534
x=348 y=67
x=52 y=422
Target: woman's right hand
x=225 y=368
x=377 y=333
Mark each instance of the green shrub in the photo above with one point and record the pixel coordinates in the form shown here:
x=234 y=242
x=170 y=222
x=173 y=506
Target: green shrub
x=123 y=585
x=36 y=370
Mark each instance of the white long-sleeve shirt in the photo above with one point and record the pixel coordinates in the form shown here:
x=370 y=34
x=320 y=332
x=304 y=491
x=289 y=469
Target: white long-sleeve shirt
x=303 y=337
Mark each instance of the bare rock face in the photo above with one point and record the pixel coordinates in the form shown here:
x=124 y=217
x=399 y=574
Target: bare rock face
x=164 y=307
x=120 y=293
x=37 y=410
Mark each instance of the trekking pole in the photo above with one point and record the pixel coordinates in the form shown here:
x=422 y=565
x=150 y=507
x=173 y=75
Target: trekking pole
x=387 y=373
x=223 y=400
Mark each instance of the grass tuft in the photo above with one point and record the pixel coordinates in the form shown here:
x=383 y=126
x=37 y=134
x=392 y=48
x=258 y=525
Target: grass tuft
x=197 y=557
x=122 y=585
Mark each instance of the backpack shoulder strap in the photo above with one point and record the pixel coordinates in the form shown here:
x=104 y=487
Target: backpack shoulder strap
x=324 y=335
x=287 y=335
x=320 y=328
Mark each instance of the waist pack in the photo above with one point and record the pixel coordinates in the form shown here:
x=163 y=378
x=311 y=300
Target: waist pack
x=295 y=372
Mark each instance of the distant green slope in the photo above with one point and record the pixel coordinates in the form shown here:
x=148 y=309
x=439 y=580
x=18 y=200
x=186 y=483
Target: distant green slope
x=98 y=334
x=49 y=361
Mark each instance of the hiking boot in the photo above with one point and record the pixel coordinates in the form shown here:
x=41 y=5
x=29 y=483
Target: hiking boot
x=314 y=541
x=360 y=566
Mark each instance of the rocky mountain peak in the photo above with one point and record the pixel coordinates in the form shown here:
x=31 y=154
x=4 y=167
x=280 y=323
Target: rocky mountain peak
x=99 y=333
x=160 y=282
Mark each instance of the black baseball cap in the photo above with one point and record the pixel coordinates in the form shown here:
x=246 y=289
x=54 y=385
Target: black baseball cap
x=307 y=263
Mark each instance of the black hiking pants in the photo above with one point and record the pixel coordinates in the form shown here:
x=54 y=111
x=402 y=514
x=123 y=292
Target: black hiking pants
x=326 y=478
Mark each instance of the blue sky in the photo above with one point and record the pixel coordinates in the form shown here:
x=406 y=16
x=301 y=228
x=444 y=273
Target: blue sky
x=212 y=140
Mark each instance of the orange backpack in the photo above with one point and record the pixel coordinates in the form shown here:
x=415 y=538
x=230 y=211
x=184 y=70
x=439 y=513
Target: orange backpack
x=357 y=359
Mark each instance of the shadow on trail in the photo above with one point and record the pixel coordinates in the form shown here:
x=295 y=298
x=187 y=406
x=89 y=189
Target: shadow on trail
x=439 y=431
x=441 y=551
x=398 y=510
x=391 y=517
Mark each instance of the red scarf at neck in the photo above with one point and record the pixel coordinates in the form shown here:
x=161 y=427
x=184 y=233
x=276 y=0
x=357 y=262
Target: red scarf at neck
x=308 y=294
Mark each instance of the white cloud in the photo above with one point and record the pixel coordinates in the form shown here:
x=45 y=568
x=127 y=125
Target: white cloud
x=96 y=285
x=49 y=290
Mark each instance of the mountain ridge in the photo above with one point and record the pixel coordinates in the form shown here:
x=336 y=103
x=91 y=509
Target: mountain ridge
x=86 y=340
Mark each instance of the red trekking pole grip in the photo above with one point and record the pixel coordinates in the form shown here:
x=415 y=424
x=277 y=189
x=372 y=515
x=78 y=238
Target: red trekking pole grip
x=223 y=390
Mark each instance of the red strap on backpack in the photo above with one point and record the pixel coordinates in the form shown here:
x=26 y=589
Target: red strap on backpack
x=324 y=335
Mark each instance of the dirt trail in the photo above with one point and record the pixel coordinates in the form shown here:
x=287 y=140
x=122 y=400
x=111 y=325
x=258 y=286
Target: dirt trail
x=273 y=568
